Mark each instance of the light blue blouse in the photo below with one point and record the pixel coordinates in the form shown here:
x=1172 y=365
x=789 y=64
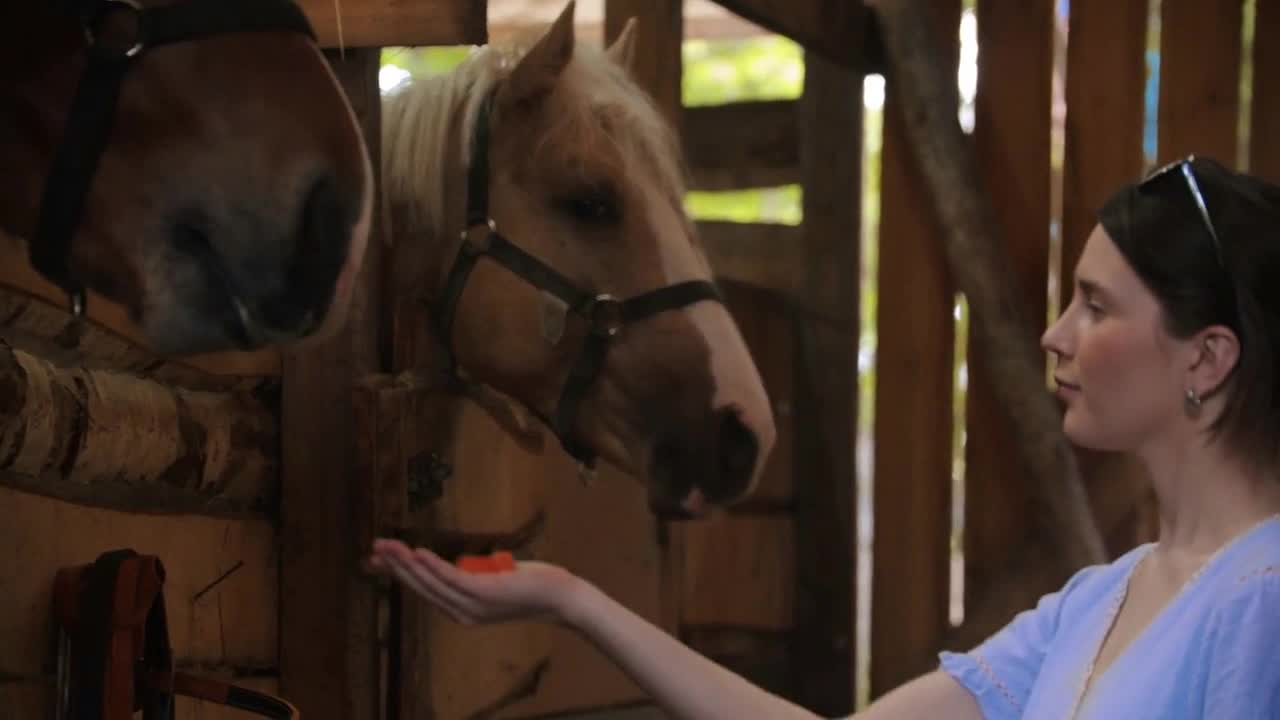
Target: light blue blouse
x=1213 y=652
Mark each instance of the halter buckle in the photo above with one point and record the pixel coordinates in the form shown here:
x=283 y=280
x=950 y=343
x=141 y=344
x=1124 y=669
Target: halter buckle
x=472 y=247
x=604 y=313
x=109 y=6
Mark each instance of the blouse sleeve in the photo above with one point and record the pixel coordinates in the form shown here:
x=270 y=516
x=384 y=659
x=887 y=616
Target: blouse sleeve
x=1244 y=652
x=1001 y=672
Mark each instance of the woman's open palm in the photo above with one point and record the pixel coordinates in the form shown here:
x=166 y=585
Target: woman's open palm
x=530 y=590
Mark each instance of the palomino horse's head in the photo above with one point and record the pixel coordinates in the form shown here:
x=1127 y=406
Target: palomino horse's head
x=194 y=160
x=570 y=186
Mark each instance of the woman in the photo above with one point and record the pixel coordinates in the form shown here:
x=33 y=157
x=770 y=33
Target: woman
x=1168 y=350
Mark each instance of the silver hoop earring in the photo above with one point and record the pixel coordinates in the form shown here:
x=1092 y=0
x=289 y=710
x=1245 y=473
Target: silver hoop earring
x=1192 y=402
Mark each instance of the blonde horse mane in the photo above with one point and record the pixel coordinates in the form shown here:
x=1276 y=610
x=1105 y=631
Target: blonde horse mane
x=423 y=118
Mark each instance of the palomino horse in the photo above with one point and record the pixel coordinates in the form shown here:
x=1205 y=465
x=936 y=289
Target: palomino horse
x=569 y=186
x=194 y=160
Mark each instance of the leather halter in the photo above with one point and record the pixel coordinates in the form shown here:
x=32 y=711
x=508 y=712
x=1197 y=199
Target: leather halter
x=605 y=315
x=93 y=108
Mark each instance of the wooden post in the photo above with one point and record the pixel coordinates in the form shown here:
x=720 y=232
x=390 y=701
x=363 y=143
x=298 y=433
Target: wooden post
x=915 y=359
x=659 y=63
x=329 y=658
x=826 y=386
x=1264 y=125
x=1199 y=79
x=1011 y=139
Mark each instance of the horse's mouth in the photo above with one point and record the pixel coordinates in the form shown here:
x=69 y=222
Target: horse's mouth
x=244 y=328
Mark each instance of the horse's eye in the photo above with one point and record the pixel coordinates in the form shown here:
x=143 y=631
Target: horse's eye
x=593 y=207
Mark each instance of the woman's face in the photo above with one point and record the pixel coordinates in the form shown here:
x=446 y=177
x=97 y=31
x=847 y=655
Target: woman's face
x=1119 y=373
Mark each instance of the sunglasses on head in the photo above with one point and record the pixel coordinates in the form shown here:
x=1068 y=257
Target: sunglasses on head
x=1184 y=168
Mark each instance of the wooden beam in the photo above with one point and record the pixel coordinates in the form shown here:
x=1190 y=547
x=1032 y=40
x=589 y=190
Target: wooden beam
x=330 y=657
x=113 y=440
x=742 y=145
x=762 y=255
x=839 y=31
x=826 y=387
x=384 y=23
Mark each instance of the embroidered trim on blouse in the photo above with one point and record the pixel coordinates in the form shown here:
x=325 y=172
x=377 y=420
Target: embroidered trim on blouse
x=990 y=672
x=1268 y=571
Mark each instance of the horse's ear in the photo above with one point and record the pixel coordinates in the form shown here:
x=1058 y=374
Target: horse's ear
x=538 y=70
x=623 y=49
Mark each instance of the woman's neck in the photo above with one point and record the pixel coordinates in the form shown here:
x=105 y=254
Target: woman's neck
x=1206 y=497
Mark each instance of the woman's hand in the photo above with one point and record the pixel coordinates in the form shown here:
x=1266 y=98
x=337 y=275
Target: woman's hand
x=531 y=590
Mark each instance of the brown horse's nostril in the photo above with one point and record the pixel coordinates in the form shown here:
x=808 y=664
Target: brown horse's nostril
x=320 y=251
x=738 y=452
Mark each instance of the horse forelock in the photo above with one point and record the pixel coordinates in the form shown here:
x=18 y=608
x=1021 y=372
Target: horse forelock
x=600 y=112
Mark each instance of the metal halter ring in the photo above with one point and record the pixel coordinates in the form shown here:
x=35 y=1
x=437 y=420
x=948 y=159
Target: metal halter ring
x=78 y=303
x=479 y=248
x=132 y=5
x=604 y=312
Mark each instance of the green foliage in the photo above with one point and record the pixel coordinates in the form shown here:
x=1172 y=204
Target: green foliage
x=426 y=61
x=722 y=71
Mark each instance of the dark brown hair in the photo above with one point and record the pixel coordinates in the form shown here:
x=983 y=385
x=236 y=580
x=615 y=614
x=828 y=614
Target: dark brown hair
x=1158 y=228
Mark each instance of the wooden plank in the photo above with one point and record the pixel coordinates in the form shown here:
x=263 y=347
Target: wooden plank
x=840 y=31
x=603 y=532
x=826 y=384
x=1105 y=78
x=115 y=440
x=763 y=255
x=742 y=145
x=383 y=23
x=729 y=553
x=913 y=409
x=1011 y=135
x=1264 y=122
x=658 y=58
x=1199 y=79
x=234 y=623
x=762 y=657
x=24 y=291
x=329 y=659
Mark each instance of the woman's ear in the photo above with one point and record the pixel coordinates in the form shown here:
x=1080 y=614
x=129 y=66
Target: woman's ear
x=1216 y=352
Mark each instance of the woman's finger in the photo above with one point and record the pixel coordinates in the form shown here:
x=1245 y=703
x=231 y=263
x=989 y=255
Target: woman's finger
x=425 y=575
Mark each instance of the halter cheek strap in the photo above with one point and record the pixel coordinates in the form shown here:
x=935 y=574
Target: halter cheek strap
x=93 y=108
x=605 y=315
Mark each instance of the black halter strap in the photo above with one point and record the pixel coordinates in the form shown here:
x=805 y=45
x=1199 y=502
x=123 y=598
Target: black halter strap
x=604 y=314
x=93 y=108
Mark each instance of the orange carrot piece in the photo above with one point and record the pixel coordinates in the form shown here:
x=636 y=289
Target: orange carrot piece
x=502 y=561
x=476 y=564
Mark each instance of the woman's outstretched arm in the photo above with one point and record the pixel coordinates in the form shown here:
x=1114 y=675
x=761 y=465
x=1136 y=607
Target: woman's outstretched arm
x=686 y=684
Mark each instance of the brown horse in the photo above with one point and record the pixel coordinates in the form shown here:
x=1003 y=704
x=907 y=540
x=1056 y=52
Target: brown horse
x=579 y=287
x=193 y=160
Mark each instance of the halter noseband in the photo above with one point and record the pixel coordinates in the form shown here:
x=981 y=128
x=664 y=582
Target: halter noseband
x=93 y=108
x=604 y=314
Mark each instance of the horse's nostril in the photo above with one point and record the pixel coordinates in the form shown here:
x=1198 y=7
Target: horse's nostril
x=739 y=451
x=319 y=252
